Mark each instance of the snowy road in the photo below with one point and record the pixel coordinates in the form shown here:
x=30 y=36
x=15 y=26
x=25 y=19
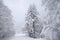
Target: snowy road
x=23 y=38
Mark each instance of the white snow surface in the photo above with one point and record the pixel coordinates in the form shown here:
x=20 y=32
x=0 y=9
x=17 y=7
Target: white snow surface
x=23 y=37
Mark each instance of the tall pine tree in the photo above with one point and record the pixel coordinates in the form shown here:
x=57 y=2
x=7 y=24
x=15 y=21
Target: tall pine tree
x=33 y=24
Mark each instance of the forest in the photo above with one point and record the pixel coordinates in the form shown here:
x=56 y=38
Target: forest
x=35 y=27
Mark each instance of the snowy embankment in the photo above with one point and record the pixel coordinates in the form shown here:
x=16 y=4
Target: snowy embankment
x=22 y=37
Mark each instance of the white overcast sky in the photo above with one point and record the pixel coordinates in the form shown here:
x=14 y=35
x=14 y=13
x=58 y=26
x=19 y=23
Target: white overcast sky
x=19 y=9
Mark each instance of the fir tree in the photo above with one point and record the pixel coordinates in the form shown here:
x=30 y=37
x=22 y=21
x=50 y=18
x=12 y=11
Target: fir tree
x=33 y=24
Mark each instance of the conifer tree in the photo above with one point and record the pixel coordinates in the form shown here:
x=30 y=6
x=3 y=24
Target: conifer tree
x=6 y=21
x=33 y=24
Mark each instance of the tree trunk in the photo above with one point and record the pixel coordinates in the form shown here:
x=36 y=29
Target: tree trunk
x=34 y=30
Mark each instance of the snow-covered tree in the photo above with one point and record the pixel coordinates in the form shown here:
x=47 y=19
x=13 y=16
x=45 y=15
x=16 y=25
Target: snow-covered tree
x=33 y=22
x=6 y=22
x=53 y=15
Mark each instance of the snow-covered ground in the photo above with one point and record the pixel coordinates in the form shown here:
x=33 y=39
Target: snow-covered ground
x=23 y=37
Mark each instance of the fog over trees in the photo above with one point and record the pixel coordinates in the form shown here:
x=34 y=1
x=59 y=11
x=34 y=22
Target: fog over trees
x=35 y=26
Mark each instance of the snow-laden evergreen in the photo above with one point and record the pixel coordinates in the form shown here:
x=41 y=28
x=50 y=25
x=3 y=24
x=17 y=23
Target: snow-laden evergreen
x=33 y=24
x=52 y=31
x=6 y=22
